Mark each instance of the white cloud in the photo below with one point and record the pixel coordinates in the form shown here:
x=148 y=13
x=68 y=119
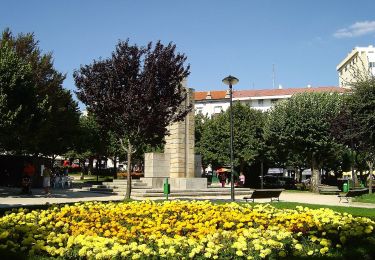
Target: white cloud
x=355 y=30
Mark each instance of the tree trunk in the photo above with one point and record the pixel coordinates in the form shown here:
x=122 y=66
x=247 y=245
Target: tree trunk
x=91 y=167
x=82 y=165
x=115 y=167
x=354 y=175
x=97 y=170
x=129 y=184
x=261 y=174
x=298 y=176
x=370 y=165
x=315 y=175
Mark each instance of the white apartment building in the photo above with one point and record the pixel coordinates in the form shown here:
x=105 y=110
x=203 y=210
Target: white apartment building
x=214 y=102
x=361 y=60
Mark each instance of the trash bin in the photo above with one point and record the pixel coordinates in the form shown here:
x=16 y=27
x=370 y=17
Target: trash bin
x=345 y=187
x=166 y=188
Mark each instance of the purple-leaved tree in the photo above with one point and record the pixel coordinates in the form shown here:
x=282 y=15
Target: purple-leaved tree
x=136 y=93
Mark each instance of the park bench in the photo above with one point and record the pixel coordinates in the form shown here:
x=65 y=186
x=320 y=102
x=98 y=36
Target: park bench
x=352 y=193
x=272 y=194
x=324 y=189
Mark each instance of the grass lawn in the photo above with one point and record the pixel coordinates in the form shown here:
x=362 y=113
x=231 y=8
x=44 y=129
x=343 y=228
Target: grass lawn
x=89 y=178
x=368 y=198
x=359 y=212
x=297 y=191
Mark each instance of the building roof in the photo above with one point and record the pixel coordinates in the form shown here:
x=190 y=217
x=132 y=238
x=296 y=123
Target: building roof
x=201 y=95
x=352 y=54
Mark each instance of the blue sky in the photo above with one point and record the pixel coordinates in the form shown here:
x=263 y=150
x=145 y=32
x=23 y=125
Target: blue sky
x=305 y=40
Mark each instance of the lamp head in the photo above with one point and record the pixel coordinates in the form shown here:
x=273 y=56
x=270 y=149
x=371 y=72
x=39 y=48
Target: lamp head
x=230 y=80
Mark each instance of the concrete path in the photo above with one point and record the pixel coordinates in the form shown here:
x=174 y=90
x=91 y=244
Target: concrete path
x=9 y=197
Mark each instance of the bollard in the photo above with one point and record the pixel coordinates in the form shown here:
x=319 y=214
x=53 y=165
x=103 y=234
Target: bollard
x=167 y=188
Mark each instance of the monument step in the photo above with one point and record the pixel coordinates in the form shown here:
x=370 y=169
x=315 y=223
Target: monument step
x=124 y=185
x=155 y=193
x=208 y=190
x=179 y=195
x=113 y=189
x=125 y=180
x=191 y=193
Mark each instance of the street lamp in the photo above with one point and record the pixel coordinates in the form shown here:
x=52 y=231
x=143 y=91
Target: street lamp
x=230 y=81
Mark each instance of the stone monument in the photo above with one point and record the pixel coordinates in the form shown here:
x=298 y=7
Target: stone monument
x=178 y=162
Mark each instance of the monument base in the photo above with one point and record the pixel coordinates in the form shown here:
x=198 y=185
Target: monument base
x=177 y=183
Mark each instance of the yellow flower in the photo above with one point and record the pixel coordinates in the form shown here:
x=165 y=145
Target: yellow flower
x=298 y=246
x=323 y=250
x=239 y=253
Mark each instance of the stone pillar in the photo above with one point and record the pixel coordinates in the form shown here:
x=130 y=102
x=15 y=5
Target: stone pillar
x=180 y=145
x=178 y=160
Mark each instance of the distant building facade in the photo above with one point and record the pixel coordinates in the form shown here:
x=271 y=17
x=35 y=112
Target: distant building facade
x=361 y=60
x=214 y=102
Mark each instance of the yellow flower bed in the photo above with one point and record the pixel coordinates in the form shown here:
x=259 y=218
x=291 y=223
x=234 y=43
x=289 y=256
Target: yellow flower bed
x=179 y=229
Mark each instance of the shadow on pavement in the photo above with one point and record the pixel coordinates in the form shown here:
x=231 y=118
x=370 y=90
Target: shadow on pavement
x=10 y=192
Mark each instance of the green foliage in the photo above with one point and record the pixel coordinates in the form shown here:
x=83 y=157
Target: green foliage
x=247 y=141
x=301 y=127
x=368 y=198
x=18 y=107
x=362 y=106
x=52 y=118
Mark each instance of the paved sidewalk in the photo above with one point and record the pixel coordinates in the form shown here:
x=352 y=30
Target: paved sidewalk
x=9 y=197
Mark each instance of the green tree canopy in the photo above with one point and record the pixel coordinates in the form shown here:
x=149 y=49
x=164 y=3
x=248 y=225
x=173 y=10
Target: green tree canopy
x=362 y=106
x=247 y=140
x=54 y=119
x=18 y=106
x=301 y=125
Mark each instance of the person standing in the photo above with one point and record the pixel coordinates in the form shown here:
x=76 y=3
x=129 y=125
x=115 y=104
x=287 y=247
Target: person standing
x=27 y=179
x=222 y=178
x=242 y=179
x=47 y=179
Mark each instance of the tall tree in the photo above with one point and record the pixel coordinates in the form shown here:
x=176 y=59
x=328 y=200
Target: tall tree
x=56 y=119
x=362 y=106
x=136 y=93
x=301 y=125
x=247 y=141
x=18 y=106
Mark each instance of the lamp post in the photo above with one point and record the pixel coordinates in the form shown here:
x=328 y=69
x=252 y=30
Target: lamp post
x=230 y=81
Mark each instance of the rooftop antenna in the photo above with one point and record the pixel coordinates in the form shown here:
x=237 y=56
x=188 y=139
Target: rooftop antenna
x=273 y=76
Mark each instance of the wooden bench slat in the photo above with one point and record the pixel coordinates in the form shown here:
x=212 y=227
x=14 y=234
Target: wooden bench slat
x=353 y=193
x=272 y=194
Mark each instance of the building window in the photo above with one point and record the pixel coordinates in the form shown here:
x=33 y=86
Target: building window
x=218 y=109
x=260 y=102
x=274 y=101
x=371 y=64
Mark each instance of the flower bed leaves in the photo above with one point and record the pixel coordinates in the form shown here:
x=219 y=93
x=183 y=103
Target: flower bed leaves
x=181 y=229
